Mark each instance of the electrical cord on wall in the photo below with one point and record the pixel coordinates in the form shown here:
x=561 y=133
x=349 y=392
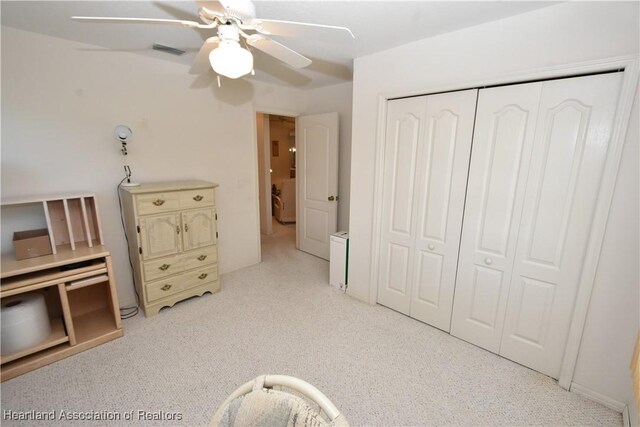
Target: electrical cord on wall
x=127 y=312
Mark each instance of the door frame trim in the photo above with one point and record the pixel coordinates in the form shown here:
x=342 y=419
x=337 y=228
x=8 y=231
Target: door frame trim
x=630 y=67
x=254 y=124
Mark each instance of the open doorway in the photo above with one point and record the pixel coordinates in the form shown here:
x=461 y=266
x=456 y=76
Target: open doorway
x=277 y=177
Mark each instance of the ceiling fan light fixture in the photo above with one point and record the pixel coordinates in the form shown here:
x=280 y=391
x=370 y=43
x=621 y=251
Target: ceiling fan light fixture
x=229 y=59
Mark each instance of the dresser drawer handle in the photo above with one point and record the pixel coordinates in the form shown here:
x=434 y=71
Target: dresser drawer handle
x=203 y=276
x=164 y=267
x=166 y=287
x=177 y=229
x=186 y=228
x=202 y=257
x=158 y=202
x=198 y=198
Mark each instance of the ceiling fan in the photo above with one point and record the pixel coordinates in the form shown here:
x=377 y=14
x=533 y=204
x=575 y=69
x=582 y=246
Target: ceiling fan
x=236 y=22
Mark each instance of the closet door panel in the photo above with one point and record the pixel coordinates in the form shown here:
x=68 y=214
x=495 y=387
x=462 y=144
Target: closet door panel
x=429 y=282
x=503 y=136
x=404 y=130
x=570 y=150
x=486 y=288
x=440 y=201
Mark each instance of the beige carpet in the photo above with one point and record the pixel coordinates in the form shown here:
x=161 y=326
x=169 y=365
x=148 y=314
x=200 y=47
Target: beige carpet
x=379 y=367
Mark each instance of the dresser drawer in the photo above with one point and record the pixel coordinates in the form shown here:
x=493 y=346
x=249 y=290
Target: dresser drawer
x=196 y=198
x=157 y=202
x=199 y=277
x=200 y=257
x=157 y=269
x=164 y=288
x=164 y=267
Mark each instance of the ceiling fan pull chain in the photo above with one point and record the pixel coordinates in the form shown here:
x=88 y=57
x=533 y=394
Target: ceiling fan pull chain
x=218 y=77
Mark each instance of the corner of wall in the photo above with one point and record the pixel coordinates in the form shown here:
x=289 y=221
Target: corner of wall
x=631 y=414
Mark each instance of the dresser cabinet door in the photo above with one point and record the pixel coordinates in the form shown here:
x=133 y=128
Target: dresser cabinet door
x=199 y=228
x=160 y=235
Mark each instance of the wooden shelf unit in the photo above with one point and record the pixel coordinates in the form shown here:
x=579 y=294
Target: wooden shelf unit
x=82 y=303
x=77 y=281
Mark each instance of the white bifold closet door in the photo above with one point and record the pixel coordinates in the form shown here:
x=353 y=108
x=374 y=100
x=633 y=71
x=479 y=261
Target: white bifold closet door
x=539 y=152
x=427 y=148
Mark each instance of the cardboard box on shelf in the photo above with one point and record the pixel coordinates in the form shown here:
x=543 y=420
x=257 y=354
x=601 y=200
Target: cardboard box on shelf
x=31 y=243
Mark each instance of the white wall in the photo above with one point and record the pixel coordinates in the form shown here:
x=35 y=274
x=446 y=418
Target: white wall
x=337 y=98
x=62 y=99
x=563 y=34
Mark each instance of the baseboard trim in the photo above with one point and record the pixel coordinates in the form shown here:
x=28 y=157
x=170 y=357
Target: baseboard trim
x=598 y=397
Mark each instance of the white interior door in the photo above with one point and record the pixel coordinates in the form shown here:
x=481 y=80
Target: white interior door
x=404 y=131
x=569 y=152
x=427 y=148
x=504 y=132
x=317 y=177
x=539 y=151
x=444 y=163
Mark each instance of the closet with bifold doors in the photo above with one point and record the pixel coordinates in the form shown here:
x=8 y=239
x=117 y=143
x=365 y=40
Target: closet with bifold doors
x=487 y=210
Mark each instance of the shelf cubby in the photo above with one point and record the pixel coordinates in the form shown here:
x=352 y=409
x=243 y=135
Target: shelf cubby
x=92 y=315
x=58 y=336
x=72 y=221
x=53 y=299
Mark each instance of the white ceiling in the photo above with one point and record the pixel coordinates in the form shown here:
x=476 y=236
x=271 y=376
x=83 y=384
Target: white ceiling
x=377 y=25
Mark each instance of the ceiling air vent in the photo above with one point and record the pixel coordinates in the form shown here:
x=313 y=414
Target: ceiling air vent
x=168 y=49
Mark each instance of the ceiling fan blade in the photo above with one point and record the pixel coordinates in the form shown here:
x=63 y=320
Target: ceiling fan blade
x=279 y=51
x=110 y=20
x=201 y=64
x=326 y=33
x=214 y=5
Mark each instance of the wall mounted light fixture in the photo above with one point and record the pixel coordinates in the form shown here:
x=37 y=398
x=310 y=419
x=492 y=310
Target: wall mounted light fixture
x=123 y=134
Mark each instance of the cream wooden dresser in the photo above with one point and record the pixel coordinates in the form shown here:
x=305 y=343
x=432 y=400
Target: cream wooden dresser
x=171 y=229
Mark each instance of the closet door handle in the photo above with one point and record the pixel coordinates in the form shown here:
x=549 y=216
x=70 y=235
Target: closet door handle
x=177 y=229
x=202 y=257
x=331 y=198
x=186 y=228
x=164 y=267
x=431 y=247
x=198 y=198
x=158 y=202
x=488 y=261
